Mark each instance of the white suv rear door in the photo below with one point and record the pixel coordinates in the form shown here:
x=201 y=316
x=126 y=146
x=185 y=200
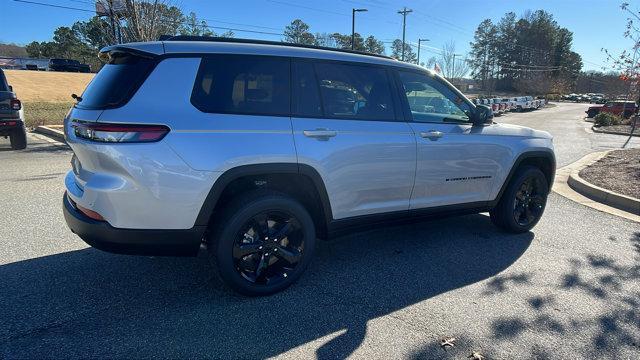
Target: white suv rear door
x=348 y=125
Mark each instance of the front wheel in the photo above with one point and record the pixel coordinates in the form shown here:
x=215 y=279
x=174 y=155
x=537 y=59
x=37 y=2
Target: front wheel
x=522 y=204
x=18 y=139
x=263 y=244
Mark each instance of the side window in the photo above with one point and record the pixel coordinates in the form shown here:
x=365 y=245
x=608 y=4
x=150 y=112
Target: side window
x=306 y=97
x=355 y=92
x=253 y=85
x=431 y=100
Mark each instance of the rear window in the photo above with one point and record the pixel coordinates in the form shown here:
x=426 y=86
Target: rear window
x=241 y=84
x=116 y=82
x=355 y=92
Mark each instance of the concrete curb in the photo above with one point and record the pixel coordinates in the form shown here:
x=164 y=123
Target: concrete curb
x=596 y=130
x=562 y=187
x=56 y=134
x=622 y=202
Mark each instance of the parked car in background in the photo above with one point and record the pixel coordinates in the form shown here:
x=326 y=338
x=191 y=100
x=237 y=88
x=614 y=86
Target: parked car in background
x=617 y=107
x=68 y=65
x=522 y=103
x=156 y=171
x=11 y=116
x=509 y=104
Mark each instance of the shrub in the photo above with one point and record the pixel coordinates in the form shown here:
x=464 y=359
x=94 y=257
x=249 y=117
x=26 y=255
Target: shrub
x=607 y=119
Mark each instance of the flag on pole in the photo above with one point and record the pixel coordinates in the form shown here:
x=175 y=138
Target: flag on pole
x=437 y=69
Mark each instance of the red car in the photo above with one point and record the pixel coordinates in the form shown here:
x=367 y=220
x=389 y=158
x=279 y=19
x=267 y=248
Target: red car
x=618 y=107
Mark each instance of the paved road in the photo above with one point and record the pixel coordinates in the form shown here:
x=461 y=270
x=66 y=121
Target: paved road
x=569 y=289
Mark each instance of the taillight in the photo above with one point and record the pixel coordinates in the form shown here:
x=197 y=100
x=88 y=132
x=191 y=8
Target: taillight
x=16 y=104
x=120 y=133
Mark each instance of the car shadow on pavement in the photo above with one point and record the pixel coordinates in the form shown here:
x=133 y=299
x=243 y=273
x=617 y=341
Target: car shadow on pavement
x=88 y=303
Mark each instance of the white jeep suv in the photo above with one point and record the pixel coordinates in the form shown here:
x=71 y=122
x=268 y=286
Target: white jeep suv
x=256 y=149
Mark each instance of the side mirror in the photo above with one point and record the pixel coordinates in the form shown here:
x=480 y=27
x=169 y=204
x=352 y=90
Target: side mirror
x=483 y=115
x=10 y=88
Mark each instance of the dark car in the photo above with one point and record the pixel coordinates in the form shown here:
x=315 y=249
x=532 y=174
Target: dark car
x=68 y=65
x=11 y=116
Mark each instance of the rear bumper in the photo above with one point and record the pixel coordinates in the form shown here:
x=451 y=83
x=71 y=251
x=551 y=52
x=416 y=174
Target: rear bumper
x=7 y=125
x=103 y=236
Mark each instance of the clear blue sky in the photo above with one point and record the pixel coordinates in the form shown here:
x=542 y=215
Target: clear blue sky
x=594 y=23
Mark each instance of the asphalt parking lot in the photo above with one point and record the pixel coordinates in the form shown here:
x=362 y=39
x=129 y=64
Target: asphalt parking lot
x=568 y=289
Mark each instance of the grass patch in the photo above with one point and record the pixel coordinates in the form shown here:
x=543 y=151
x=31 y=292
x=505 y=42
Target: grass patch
x=45 y=113
x=46 y=86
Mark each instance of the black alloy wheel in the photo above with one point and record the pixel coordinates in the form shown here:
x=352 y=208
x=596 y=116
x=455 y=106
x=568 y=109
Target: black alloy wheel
x=523 y=202
x=262 y=242
x=268 y=248
x=529 y=202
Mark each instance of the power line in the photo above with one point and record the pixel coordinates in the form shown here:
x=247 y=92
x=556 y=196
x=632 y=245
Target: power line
x=53 y=5
x=163 y=21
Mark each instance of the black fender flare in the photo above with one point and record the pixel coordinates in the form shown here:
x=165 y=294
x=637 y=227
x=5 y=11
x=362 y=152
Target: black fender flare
x=545 y=154
x=232 y=174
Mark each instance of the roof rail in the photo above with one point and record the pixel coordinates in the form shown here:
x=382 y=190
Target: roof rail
x=262 y=42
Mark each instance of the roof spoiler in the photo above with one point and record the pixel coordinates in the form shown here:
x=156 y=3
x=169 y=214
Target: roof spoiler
x=145 y=50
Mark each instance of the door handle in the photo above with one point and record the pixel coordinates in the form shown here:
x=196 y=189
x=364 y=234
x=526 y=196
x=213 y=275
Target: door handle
x=432 y=135
x=320 y=134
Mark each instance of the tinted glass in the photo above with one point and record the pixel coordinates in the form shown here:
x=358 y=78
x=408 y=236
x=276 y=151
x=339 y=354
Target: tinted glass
x=3 y=82
x=254 y=85
x=431 y=100
x=116 y=82
x=306 y=97
x=355 y=92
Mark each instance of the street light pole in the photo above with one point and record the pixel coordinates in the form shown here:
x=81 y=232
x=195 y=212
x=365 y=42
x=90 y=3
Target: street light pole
x=404 y=13
x=353 y=25
x=419 y=41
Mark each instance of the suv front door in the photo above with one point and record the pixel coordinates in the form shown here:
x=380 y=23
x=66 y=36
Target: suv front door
x=456 y=163
x=347 y=125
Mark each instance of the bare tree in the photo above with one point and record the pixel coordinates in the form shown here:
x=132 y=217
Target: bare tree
x=147 y=20
x=453 y=65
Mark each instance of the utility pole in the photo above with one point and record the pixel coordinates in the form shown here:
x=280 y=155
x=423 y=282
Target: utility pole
x=419 y=41
x=353 y=25
x=404 y=13
x=113 y=25
x=453 y=66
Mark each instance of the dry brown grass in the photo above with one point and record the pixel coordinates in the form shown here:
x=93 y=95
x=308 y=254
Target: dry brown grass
x=46 y=86
x=46 y=95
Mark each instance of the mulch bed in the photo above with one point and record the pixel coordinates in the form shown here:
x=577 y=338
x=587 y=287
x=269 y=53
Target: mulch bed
x=620 y=128
x=619 y=172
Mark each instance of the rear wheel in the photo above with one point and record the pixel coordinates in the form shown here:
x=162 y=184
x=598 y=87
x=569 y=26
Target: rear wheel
x=264 y=243
x=18 y=139
x=523 y=202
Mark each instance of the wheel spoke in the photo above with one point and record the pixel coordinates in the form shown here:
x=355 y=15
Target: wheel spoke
x=537 y=200
x=284 y=230
x=240 y=251
x=518 y=212
x=291 y=256
x=528 y=214
x=261 y=226
x=262 y=266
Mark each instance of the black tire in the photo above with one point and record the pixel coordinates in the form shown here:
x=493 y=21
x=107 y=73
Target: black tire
x=18 y=139
x=518 y=210
x=239 y=232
